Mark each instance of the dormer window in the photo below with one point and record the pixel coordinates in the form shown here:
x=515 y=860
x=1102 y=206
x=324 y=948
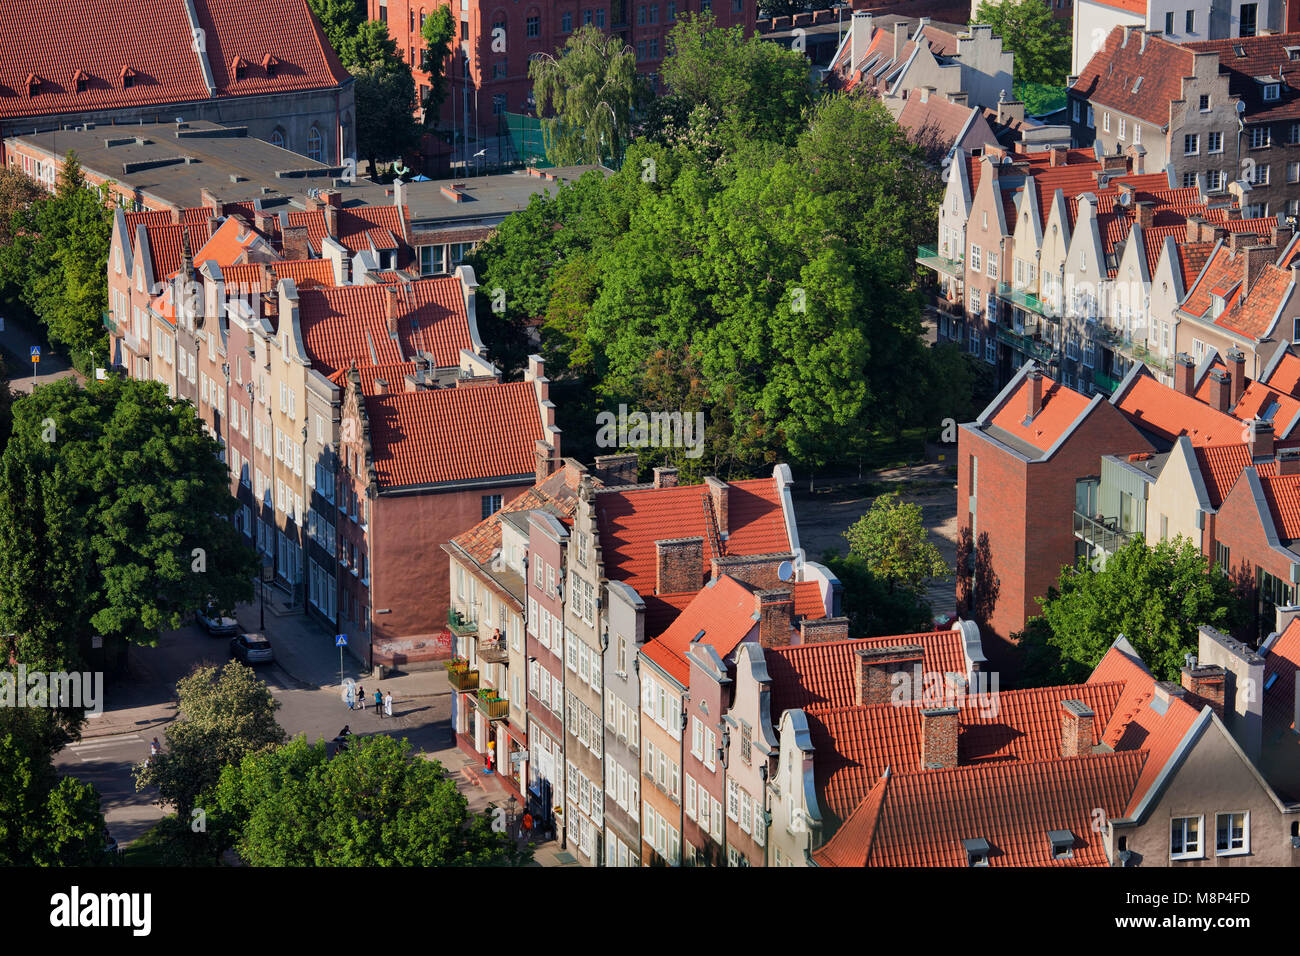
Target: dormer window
x=1216 y=306
x=977 y=852
x=1062 y=842
x=128 y=77
x=270 y=64
x=33 y=84
x=1272 y=91
x=80 y=81
x=238 y=67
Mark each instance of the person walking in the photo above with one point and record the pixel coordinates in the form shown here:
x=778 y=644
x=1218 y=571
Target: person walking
x=352 y=700
x=361 y=698
x=379 y=704
x=388 y=704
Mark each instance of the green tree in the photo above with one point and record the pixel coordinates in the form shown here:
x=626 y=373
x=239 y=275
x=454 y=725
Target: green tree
x=340 y=19
x=892 y=541
x=226 y=714
x=747 y=88
x=587 y=97
x=56 y=260
x=438 y=30
x=1157 y=597
x=385 y=94
x=18 y=192
x=46 y=819
x=872 y=606
x=114 y=521
x=1039 y=41
x=374 y=804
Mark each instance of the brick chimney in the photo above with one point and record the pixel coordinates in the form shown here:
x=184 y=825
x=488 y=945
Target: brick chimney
x=177 y=215
x=1288 y=461
x=331 y=213
x=293 y=241
x=1184 y=373
x=1257 y=257
x=392 y=307
x=1261 y=439
x=665 y=477
x=616 y=470
x=877 y=665
x=1205 y=684
x=544 y=460
x=718 y=491
x=939 y=727
x=1034 y=393
x=1193 y=233
x=1282 y=233
x=1060 y=155
x=1236 y=361
x=679 y=565
x=1220 y=390
x=209 y=200
x=775 y=612
x=1239 y=241
x=823 y=629
x=1145 y=214
x=380 y=387
x=1078 y=729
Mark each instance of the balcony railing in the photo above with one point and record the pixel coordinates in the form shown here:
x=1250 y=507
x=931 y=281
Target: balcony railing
x=1027 y=301
x=493 y=708
x=461 y=676
x=459 y=626
x=1107 y=383
x=1025 y=344
x=1104 y=534
x=931 y=258
x=107 y=319
x=493 y=652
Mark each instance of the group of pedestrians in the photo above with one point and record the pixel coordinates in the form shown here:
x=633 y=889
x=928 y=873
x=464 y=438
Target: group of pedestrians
x=383 y=702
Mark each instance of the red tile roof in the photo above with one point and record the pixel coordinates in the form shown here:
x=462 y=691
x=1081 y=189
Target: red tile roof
x=724 y=610
x=1283 y=496
x=1254 y=315
x=341 y=325
x=359 y=227
x=54 y=44
x=1223 y=272
x=632 y=521
x=808 y=601
x=1108 y=78
x=1286 y=375
x=393 y=375
x=228 y=244
x=1221 y=466
x=555 y=494
x=454 y=434
x=921 y=819
x=1061 y=408
x=1259 y=399
x=165 y=245
x=1265 y=56
x=305 y=273
x=1169 y=413
x=1282 y=660
x=824 y=674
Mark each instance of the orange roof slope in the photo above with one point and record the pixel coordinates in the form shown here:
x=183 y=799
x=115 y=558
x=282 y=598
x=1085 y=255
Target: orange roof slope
x=1169 y=413
x=442 y=435
x=1286 y=376
x=825 y=673
x=166 y=247
x=393 y=375
x=632 y=521
x=251 y=277
x=1283 y=496
x=1280 y=666
x=1061 y=408
x=228 y=244
x=1108 y=78
x=556 y=494
x=347 y=324
x=284 y=30
x=359 y=227
x=722 y=614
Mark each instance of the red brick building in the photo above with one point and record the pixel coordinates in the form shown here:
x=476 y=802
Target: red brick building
x=489 y=65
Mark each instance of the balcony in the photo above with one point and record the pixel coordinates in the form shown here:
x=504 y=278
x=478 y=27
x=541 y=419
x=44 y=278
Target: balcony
x=460 y=676
x=107 y=319
x=493 y=652
x=1104 y=534
x=1027 y=301
x=1107 y=383
x=459 y=626
x=491 y=706
x=930 y=257
x=1026 y=344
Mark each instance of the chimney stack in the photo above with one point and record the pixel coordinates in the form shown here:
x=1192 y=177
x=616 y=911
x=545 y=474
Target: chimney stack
x=877 y=665
x=1193 y=233
x=380 y=387
x=1288 y=464
x=823 y=629
x=1184 y=373
x=1257 y=257
x=1239 y=241
x=665 y=477
x=1078 y=729
x=1145 y=214
x=1035 y=393
x=1060 y=156
x=392 y=307
x=1282 y=233
x=1236 y=360
x=775 y=613
x=1220 y=390
x=331 y=213
x=209 y=200
x=616 y=470
x=718 y=491
x=1205 y=684
x=1261 y=439
x=939 y=726
x=679 y=565
x=544 y=460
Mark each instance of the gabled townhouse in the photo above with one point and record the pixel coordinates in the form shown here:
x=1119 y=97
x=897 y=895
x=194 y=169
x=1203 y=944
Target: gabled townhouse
x=548 y=540
x=1280 y=718
x=624 y=615
x=1023 y=458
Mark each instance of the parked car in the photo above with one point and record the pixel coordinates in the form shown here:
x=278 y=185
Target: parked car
x=214 y=622
x=251 y=649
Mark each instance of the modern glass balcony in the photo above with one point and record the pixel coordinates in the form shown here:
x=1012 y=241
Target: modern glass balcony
x=930 y=257
x=1104 y=533
x=459 y=626
x=1107 y=383
x=1025 y=344
x=1027 y=301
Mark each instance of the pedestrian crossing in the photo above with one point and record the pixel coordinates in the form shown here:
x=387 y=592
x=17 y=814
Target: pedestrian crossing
x=88 y=750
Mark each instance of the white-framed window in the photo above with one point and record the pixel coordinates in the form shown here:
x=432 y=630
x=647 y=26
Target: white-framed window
x=1232 y=833
x=1105 y=122
x=1260 y=137
x=1185 y=838
x=1214 y=142
x=1191 y=144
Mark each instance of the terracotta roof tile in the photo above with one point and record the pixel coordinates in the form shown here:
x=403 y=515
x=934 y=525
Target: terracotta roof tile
x=808 y=602
x=724 y=611
x=1286 y=375
x=1283 y=496
x=165 y=245
x=1169 y=414
x=1254 y=315
x=1280 y=666
x=555 y=494
x=1222 y=465
x=1108 y=78
x=454 y=434
x=393 y=375
x=1061 y=407
x=284 y=29
x=305 y=273
x=228 y=244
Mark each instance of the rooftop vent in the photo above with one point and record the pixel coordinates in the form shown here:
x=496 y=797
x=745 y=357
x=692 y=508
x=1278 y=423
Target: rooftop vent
x=1062 y=844
x=977 y=851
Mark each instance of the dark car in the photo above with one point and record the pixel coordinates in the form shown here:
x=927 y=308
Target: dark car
x=251 y=649
x=216 y=623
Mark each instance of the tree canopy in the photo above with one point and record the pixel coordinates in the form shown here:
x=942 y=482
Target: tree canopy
x=373 y=804
x=893 y=543
x=437 y=31
x=1039 y=41
x=1157 y=597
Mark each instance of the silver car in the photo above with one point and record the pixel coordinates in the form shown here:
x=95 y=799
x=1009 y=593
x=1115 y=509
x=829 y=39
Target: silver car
x=215 y=623
x=251 y=649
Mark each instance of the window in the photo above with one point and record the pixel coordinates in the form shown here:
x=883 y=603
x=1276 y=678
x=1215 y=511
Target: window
x=1205 y=103
x=566 y=22
x=1191 y=144
x=1259 y=137
x=1105 y=122
x=1216 y=179
x=1259 y=175
x=1075 y=107
x=315 y=144
x=976 y=258
x=586 y=18
x=993 y=265
x=1249 y=16
x=1272 y=91
x=600 y=18
x=1189 y=180
x=1169 y=23
x=1189 y=22
x=640 y=15
x=1123 y=127
x=1293 y=134
x=1214 y=142
x=1232 y=834
x=671 y=13
x=491 y=505
x=533 y=27
x=1185 y=838
x=654 y=13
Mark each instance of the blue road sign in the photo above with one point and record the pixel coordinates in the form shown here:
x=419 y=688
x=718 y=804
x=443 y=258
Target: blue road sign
x=340 y=640
x=36 y=352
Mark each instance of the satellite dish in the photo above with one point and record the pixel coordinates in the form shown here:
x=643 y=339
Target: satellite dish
x=1241 y=106
x=785 y=571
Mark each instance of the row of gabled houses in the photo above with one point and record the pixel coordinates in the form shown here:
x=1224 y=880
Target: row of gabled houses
x=660 y=676
x=359 y=419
